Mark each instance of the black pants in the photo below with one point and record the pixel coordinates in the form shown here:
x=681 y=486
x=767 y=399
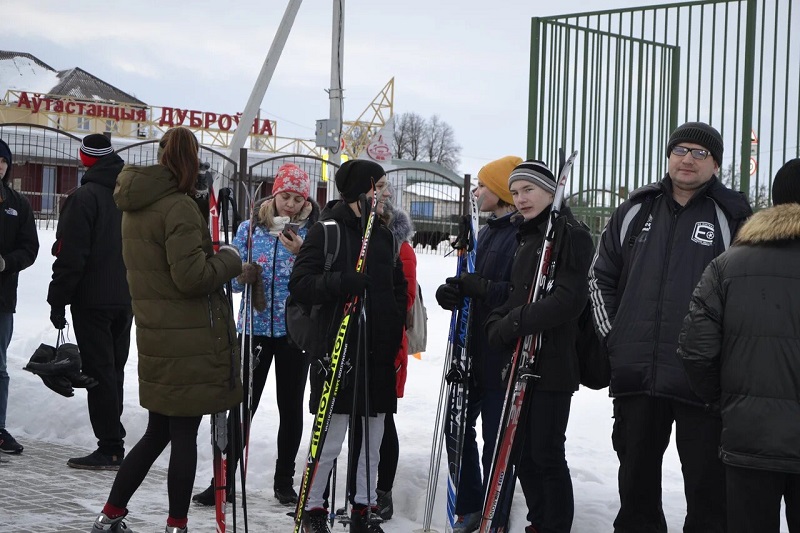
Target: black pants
x=754 y=500
x=181 y=433
x=103 y=337
x=291 y=373
x=543 y=471
x=642 y=427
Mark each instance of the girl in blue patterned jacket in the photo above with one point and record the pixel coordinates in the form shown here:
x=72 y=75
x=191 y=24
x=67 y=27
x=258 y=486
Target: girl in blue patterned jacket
x=273 y=255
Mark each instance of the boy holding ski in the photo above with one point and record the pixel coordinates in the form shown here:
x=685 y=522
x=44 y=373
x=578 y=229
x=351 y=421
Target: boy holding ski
x=539 y=445
x=356 y=375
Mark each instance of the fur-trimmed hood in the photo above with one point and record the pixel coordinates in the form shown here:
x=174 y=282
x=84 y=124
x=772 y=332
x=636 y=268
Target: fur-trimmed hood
x=401 y=225
x=777 y=223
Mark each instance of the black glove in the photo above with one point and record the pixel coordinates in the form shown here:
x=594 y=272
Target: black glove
x=353 y=282
x=448 y=296
x=58 y=318
x=471 y=285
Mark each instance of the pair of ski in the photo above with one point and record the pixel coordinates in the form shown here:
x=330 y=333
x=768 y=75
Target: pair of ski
x=507 y=450
x=228 y=440
x=353 y=307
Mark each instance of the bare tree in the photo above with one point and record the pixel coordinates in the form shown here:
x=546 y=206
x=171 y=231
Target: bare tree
x=420 y=140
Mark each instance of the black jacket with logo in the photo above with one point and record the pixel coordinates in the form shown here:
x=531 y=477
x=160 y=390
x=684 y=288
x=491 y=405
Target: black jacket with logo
x=19 y=243
x=641 y=323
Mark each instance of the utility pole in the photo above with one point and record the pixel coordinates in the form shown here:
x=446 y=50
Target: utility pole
x=335 y=95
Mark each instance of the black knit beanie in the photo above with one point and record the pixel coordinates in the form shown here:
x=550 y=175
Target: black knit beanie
x=356 y=177
x=698 y=133
x=536 y=172
x=786 y=185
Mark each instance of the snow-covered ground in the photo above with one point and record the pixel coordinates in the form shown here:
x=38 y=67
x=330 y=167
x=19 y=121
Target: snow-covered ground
x=35 y=412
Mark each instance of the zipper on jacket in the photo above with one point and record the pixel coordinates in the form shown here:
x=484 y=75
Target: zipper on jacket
x=272 y=290
x=664 y=270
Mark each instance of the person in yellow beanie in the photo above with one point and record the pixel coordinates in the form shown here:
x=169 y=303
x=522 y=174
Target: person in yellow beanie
x=488 y=288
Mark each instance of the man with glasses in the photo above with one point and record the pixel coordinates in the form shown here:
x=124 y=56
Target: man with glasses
x=649 y=259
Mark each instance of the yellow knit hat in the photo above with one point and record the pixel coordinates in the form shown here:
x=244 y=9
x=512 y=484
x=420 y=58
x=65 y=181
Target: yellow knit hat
x=495 y=176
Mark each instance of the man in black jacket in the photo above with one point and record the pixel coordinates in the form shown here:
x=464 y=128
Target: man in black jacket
x=19 y=245
x=740 y=346
x=649 y=259
x=89 y=275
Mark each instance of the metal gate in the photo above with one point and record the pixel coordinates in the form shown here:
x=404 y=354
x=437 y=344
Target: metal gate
x=613 y=84
x=46 y=167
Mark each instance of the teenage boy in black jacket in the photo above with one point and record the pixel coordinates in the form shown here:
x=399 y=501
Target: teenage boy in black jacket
x=543 y=471
x=89 y=275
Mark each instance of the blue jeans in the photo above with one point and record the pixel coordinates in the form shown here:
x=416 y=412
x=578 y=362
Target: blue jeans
x=6 y=330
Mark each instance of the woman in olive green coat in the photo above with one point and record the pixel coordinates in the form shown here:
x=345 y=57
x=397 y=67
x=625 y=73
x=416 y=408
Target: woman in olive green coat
x=188 y=357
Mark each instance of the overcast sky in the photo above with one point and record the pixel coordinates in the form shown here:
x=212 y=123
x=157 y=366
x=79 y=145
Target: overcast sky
x=465 y=60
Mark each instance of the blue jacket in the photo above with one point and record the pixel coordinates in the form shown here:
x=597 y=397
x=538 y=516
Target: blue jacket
x=276 y=263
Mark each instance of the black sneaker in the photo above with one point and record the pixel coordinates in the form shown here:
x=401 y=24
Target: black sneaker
x=385 y=504
x=316 y=521
x=206 y=497
x=96 y=460
x=8 y=444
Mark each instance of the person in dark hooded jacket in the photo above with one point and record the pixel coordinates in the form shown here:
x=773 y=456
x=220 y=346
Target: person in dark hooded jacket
x=740 y=345
x=89 y=276
x=384 y=286
x=543 y=470
x=19 y=245
x=640 y=287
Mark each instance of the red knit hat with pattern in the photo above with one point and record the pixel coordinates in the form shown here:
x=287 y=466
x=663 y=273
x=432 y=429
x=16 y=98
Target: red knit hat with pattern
x=291 y=178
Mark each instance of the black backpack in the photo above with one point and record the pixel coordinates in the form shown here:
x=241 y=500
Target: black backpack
x=304 y=322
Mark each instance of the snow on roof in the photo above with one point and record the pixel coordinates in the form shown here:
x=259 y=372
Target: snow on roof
x=437 y=191
x=20 y=71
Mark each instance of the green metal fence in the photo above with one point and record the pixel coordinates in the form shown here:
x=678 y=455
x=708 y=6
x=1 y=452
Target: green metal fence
x=613 y=84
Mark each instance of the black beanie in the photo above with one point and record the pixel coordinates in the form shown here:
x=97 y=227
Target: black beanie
x=5 y=152
x=536 y=172
x=356 y=177
x=96 y=145
x=698 y=133
x=786 y=185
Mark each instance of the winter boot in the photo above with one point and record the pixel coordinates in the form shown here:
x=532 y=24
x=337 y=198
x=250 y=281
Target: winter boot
x=206 y=497
x=316 y=521
x=282 y=484
x=104 y=524
x=8 y=444
x=174 y=529
x=364 y=520
x=385 y=504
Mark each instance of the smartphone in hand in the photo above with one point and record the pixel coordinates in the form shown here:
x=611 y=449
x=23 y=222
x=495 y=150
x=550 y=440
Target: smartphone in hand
x=290 y=230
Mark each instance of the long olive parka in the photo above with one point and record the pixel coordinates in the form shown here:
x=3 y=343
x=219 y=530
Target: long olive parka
x=188 y=356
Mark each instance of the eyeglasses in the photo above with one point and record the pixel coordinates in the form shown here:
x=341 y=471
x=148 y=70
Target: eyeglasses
x=697 y=153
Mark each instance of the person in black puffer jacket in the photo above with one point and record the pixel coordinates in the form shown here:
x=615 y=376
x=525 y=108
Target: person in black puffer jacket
x=740 y=345
x=543 y=471
x=89 y=275
x=640 y=287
